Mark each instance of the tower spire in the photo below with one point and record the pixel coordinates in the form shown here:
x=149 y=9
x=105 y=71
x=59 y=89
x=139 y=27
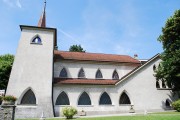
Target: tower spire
x=42 y=20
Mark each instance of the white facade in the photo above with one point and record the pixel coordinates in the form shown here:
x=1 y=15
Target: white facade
x=90 y=69
x=35 y=69
x=140 y=87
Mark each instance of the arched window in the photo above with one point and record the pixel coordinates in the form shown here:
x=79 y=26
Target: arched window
x=63 y=73
x=84 y=99
x=115 y=75
x=36 y=40
x=81 y=73
x=163 y=84
x=168 y=103
x=62 y=99
x=28 y=98
x=124 y=99
x=157 y=84
x=105 y=99
x=99 y=74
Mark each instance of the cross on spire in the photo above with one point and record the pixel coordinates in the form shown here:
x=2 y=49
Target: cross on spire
x=42 y=20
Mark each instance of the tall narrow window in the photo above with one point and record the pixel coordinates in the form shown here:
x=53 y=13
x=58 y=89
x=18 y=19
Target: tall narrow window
x=163 y=84
x=28 y=98
x=154 y=67
x=168 y=103
x=98 y=74
x=157 y=84
x=84 y=99
x=63 y=73
x=124 y=99
x=36 y=40
x=62 y=99
x=115 y=75
x=105 y=99
x=81 y=73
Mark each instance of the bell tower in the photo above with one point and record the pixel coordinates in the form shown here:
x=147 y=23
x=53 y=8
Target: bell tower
x=31 y=77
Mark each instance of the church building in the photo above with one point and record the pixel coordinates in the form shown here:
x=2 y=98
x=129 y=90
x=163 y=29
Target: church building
x=46 y=80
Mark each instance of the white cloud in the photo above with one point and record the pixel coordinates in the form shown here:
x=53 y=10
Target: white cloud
x=18 y=4
x=100 y=35
x=13 y=3
x=9 y=2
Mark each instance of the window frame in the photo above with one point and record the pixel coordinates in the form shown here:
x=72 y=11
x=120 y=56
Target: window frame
x=79 y=73
x=97 y=73
x=108 y=98
x=62 y=98
x=115 y=71
x=36 y=43
x=65 y=71
x=80 y=97
x=124 y=92
x=22 y=96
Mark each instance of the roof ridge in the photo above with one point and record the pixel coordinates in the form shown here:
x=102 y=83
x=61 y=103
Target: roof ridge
x=93 y=53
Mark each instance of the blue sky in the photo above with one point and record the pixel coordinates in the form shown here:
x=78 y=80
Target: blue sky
x=105 y=26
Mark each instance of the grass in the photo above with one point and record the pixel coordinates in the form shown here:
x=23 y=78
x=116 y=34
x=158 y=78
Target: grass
x=153 y=116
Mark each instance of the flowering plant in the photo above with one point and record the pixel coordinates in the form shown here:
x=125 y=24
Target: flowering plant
x=9 y=98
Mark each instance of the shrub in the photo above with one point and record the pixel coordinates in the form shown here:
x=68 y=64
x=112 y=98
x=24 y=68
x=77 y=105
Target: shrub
x=9 y=98
x=69 y=112
x=176 y=105
x=1 y=98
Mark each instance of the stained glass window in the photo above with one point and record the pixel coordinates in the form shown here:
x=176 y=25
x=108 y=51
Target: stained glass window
x=115 y=75
x=99 y=74
x=84 y=99
x=28 y=98
x=105 y=99
x=36 y=40
x=63 y=73
x=124 y=99
x=62 y=99
x=81 y=73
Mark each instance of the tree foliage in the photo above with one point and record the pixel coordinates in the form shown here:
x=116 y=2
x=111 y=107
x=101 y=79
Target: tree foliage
x=169 y=68
x=76 y=48
x=6 y=62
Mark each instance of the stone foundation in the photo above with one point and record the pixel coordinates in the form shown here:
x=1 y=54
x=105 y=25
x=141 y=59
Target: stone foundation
x=7 y=112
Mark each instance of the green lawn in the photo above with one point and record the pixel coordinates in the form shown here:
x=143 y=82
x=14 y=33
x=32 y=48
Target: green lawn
x=154 y=116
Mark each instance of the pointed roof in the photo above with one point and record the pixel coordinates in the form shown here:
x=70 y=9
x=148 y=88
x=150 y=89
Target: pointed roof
x=42 y=20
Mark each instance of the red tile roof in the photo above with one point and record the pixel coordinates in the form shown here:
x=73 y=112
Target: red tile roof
x=83 y=56
x=84 y=81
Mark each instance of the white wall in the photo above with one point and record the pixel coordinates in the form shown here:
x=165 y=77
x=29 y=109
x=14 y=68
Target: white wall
x=90 y=69
x=140 y=87
x=32 y=68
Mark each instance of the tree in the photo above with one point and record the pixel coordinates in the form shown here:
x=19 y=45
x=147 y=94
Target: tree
x=76 y=48
x=6 y=62
x=169 y=69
